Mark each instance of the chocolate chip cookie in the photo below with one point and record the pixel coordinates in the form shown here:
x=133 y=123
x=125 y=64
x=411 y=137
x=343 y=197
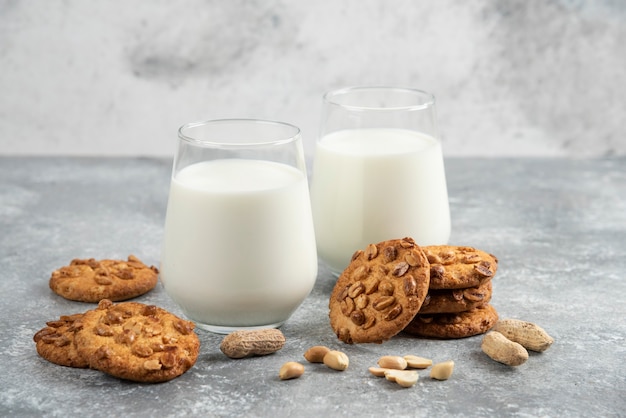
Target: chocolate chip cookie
x=379 y=292
x=55 y=342
x=137 y=342
x=454 y=325
x=454 y=267
x=89 y=280
x=456 y=300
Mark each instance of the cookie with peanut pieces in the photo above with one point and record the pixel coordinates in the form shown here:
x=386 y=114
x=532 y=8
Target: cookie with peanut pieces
x=379 y=292
x=456 y=267
x=454 y=325
x=90 y=280
x=456 y=300
x=56 y=344
x=138 y=342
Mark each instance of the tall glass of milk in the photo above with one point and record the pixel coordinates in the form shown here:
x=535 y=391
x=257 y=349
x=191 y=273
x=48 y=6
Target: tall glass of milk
x=378 y=172
x=239 y=244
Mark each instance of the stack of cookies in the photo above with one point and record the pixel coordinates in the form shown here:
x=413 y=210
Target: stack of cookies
x=395 y=285
x=457 y=303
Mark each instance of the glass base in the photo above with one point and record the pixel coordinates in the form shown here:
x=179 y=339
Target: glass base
x=222 y=329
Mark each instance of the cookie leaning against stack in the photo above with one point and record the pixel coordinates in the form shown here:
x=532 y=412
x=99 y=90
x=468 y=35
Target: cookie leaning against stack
x=129 y=340
x=379 y=292
x=457 y=305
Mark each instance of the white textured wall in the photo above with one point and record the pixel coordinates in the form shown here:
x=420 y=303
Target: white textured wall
x=118 y=77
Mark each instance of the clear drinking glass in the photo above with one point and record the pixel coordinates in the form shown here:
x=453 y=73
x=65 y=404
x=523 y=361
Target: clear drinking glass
x=378 y=172
x=239 y=245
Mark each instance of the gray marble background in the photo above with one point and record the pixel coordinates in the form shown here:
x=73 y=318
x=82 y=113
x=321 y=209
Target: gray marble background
x=117 y=77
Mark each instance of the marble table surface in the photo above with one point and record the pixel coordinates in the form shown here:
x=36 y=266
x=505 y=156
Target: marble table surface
x=557 y=226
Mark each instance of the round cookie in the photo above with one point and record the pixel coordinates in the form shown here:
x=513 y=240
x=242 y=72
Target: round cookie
x=453 y=267
x=379 y=292
x=456 y=325
x=90 y=280
x=456 y=300
x=133 y=341
x=56 y=344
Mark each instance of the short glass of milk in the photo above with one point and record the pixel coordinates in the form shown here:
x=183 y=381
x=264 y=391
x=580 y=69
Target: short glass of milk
x=378 y=172
x=239 y=244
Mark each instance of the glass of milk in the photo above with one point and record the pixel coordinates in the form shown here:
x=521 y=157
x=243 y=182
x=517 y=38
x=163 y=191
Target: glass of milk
x=239 y=244
x=378 y=172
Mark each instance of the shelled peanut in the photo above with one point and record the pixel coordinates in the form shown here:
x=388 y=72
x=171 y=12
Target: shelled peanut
x=398 y=369
x=442 y=371
x=334 y=359
x=291 y=370
x=316 y=354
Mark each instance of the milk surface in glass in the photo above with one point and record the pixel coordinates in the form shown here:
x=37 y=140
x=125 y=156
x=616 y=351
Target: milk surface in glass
x=371 y=185
x=228 y=224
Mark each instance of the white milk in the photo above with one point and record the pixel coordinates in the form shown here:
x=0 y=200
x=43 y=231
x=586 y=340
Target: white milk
x=371 y=185
x=239 y=246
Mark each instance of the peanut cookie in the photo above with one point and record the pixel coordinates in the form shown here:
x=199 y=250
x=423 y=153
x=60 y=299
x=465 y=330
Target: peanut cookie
x=379 y=292
x=138 y=342
x=456 y=300
x=55 y=342
x=91 y=280
x=454 y=267
x=454 y=325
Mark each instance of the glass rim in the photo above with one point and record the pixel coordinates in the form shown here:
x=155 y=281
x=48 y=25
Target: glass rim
x=424 y=104
x=294 y=135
